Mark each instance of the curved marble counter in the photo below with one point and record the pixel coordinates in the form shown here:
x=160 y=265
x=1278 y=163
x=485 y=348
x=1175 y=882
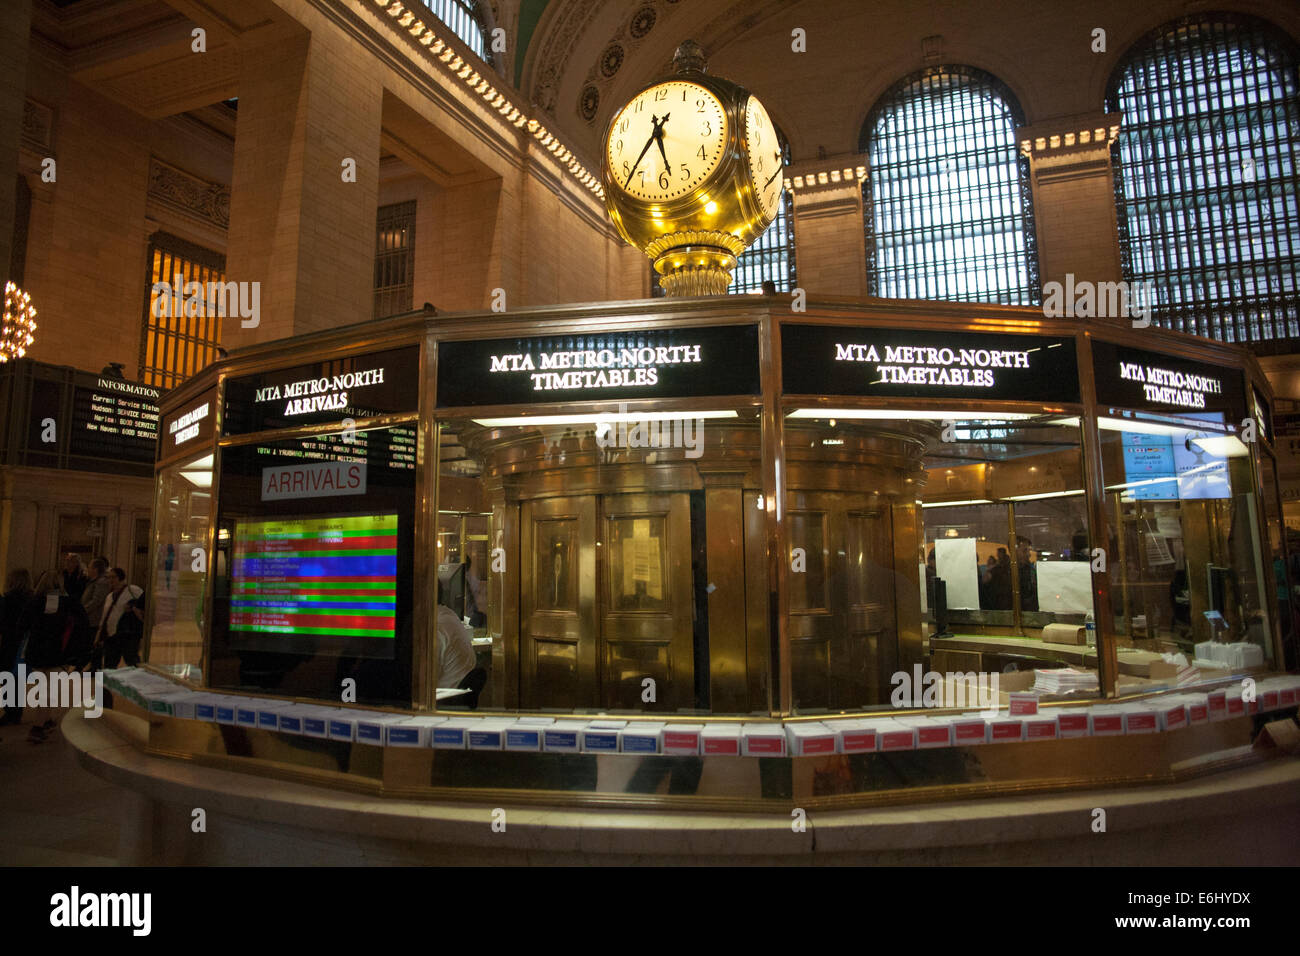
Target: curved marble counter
x=1245 y=816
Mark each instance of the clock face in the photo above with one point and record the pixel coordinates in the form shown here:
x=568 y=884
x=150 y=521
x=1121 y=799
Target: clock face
x=764 y=150
x=667 y=141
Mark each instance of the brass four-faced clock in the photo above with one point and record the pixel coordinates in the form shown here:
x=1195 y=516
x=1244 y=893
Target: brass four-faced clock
x=693 y=174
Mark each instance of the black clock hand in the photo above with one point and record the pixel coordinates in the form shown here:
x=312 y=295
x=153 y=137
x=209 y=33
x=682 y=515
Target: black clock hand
x=653 y=133
x=777 y=157
x=659 y=139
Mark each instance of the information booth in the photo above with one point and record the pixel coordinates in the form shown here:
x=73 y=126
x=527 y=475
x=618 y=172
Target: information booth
x=717 y=549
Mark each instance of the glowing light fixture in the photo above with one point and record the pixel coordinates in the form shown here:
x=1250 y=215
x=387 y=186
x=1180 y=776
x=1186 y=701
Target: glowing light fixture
x=597 y=418
x=888 y=413
x=17 y=333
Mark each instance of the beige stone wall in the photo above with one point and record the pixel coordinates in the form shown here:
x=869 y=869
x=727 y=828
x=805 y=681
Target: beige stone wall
x=34 y=502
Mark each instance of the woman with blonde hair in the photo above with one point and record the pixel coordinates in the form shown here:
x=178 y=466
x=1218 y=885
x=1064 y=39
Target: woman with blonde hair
x=57 y=626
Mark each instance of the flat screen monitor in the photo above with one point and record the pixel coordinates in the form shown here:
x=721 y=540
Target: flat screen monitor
x=1176 y=465
x=451 y=587
x=304 y=585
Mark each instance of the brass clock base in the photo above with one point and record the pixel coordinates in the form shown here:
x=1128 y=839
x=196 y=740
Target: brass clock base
x=695 y=270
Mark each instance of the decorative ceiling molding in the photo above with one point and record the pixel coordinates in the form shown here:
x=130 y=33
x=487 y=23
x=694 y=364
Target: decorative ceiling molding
x=189 y=195
x=563 y=25
x=443 y=50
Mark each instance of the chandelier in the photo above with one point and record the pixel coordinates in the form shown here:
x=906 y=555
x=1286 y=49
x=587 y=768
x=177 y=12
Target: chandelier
x=16 y=333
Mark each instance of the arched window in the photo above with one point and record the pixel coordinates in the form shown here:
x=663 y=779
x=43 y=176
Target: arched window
x=946 y=202
x=771 y=257
x=1205 y=176
x=466 y=21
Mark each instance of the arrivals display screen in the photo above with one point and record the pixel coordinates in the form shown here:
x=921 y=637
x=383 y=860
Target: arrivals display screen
x=315 y=585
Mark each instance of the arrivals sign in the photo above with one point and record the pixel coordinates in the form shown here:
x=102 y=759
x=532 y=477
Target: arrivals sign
x=359 y=386
x=893 y=363
x=654 y=363
x=322 y=479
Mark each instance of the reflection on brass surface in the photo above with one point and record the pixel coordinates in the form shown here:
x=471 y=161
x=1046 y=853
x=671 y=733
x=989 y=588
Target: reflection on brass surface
x=608 y=555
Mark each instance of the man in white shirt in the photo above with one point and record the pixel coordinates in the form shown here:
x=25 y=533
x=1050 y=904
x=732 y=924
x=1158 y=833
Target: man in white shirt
x=455 y=649
x=456 y=661
x=120 y=626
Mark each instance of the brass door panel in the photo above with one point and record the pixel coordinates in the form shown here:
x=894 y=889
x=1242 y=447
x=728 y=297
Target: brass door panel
x=557 y=659
x=646 y=606
x=843 y=637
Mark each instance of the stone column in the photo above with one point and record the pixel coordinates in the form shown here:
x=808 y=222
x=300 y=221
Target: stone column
x=829 y=242
x=298 y=225
x=1074 y=197
x=15 y=29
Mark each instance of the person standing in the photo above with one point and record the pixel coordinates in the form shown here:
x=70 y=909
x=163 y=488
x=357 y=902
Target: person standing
x=57 y=626
x=121 y=625
x=1028 y=574
x=97 y=589
x=13 y=613
x=75 y=578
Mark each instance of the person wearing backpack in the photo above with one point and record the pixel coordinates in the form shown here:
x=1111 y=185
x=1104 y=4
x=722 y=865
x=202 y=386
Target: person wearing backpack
x=121 y=624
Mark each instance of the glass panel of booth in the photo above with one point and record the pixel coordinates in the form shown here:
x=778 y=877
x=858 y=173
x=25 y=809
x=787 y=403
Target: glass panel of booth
x=937 y=519
x=1186 y=522
x=177 y=605
x=602 y=545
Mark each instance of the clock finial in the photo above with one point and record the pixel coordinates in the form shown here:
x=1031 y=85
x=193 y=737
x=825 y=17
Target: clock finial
x=689 y=57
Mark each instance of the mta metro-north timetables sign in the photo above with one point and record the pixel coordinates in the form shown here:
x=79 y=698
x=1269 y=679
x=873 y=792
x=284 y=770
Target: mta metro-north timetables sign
x=315 y=584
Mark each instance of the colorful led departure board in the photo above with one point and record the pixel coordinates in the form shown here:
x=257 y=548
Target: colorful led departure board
x=332 y=577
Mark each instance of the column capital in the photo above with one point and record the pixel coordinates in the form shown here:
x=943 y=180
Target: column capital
x=1060 y=136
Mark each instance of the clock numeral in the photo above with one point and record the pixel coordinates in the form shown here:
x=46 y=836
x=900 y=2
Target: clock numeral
x=700 y=153
x=699 y=106
x=640 y=105
x=661 y=95
x=758 y=119
x=619 y=146
x=760 y=164
x=663 y=180
x=686 y=173
x=642 y=172
x=622 y=127
x=758 y=138
x=707 y=128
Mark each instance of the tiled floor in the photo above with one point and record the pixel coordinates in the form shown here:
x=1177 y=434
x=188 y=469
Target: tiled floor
x=53 y=813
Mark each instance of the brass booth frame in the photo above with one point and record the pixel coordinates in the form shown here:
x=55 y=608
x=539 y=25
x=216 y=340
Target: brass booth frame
x=925 y=775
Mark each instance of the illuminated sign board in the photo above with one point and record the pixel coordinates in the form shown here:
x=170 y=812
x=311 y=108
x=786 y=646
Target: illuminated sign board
x=188 y=426
x=849 y=360
x=1155 y=382
x=653 y=363
x=359 y=386
x=114 y=420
